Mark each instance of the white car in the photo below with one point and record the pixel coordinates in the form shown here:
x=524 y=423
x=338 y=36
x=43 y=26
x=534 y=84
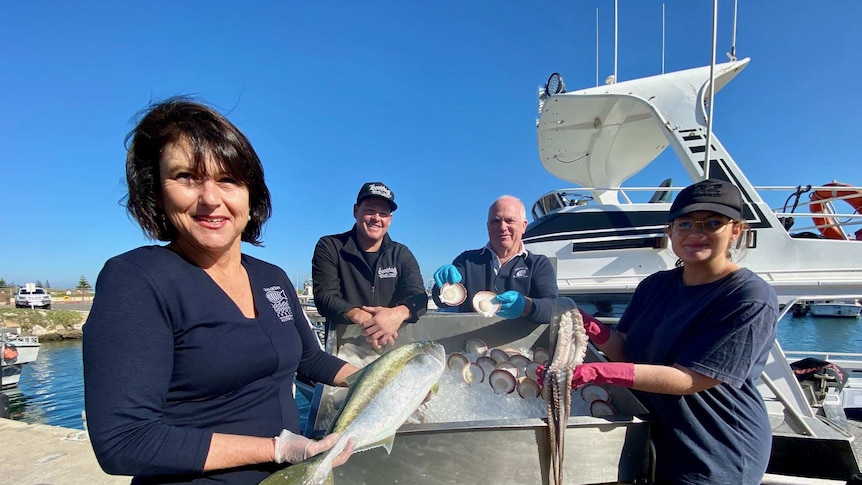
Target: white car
x=31 y=297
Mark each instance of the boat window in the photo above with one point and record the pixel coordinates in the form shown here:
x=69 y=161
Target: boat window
x=547 y=204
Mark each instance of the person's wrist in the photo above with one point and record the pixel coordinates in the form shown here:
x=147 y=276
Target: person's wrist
x=528 y=306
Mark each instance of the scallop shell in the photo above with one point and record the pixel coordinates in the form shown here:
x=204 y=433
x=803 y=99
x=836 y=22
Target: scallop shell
x=527 y=388
x=541 y=355
x=520 y=362
x=601 y=408
x=473 y=374
x=501 y=381
x=499 y=355
x=530 y=370
x=475 y=346
x=486 y=363
x=453 y=294
x=595 y=392
x=483 y=304
x=457 y=361
x=508 y=367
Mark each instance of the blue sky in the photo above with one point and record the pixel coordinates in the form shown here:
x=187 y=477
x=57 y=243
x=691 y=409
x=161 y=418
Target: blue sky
x=435 y=99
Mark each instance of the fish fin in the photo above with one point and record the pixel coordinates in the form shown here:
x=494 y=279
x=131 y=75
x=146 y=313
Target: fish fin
x=386 y=443
x=299 y=473
x=352 y=378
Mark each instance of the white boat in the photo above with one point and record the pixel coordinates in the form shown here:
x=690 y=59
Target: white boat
x=18 y=351
x=851 y=309
x=605 y=238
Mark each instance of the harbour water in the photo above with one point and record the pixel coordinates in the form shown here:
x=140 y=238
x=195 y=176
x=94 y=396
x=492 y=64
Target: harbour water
x=51 y=390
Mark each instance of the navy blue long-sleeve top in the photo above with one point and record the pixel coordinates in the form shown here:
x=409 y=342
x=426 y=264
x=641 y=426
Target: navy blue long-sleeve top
x=169 y=359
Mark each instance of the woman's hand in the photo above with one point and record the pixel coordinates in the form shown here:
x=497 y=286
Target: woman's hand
x=294 y=448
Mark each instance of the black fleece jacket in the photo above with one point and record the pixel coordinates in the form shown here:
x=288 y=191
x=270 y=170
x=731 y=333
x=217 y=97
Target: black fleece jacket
x=342 y=279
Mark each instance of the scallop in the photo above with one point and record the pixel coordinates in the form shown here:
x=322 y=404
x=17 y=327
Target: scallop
x=486 y=363
x=595 y=392
x=527 y=388
x=541 y=355
x=520 y=362
x=457 y=361
x=473 y=374
x=499 y=355
x=453 y=294
x=484 y=304
x=508 y=367
x=503 y=382
x=530 y=370
x=601 y=408
x=474 y=346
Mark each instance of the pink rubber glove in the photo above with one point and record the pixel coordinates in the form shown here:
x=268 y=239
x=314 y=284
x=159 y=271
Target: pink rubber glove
x=598 y=332
x=616 y=373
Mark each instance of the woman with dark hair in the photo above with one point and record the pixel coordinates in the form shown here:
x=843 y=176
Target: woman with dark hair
x=691 y=343
x=191 y=348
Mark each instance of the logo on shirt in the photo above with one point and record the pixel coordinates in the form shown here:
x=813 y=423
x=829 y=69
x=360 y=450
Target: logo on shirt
x=521 y=273
x=390 y=272
x=278 y=299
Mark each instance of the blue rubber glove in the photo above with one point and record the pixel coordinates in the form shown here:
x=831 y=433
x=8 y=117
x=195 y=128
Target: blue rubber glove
x=512 y=304
x=446 y=274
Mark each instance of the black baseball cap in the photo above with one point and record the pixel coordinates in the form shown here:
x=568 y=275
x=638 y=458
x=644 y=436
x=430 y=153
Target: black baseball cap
x=377 y=189
x=712 y=195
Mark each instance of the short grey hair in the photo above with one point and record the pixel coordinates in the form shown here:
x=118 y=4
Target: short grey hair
x=506 y=196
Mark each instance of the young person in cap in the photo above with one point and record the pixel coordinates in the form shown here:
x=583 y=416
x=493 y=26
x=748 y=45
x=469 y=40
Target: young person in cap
x=364 y=277
x=525 y=282
x=699 y=335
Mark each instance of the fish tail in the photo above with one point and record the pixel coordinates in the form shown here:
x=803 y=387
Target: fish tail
x=309 y=472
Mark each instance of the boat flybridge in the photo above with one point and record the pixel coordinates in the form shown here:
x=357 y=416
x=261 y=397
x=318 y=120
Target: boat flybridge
x=603 y=243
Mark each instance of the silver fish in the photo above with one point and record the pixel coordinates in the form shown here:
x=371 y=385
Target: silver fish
x=569 y=344
x=380 y=400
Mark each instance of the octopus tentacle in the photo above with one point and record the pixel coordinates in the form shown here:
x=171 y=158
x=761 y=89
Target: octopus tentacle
x=569 y=343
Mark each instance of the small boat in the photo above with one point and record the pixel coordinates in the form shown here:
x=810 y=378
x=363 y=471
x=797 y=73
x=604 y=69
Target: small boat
x=847 y=309
x=18 y=351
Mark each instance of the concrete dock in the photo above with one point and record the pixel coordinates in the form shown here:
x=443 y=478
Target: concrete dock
x=38 y=454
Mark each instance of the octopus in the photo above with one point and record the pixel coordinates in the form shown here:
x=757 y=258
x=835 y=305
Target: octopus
x=569 y=347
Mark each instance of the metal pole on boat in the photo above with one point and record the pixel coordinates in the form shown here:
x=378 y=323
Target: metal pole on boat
x=597 y=46
x=662 y=38
x=616 y=39
x=711 y=90
x=732 y=53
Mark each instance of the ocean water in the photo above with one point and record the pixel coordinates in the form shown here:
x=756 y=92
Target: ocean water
x=51 y=390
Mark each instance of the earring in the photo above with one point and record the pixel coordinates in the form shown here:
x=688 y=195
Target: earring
x=249 y=217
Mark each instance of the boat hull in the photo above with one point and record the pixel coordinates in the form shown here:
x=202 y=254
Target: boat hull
x=835 y=310
x=27 y=350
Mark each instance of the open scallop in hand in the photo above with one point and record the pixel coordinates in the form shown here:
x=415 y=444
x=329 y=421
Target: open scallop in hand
x=484 y=304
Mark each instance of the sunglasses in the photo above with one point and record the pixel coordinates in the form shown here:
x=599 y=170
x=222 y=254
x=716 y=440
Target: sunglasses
x=711 y=225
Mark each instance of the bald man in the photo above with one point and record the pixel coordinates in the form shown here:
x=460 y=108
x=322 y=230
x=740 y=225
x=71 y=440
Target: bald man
x=525 y=283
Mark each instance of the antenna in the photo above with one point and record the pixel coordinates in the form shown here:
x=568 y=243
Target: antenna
x=616 y=39
x=662 y=37
x=711 y=90
x=597 y=46
x=732 y=54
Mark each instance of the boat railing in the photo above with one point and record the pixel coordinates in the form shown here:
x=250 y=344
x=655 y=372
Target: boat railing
x=847 y=219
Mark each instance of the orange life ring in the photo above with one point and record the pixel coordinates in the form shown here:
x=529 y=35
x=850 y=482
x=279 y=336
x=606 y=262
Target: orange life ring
x=10 y=353
x=827 y=225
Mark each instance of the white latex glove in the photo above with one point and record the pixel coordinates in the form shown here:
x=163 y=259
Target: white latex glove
x=294 y=448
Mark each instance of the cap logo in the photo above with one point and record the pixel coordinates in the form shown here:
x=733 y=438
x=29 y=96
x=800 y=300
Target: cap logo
x=706 y=190
x=380 y=190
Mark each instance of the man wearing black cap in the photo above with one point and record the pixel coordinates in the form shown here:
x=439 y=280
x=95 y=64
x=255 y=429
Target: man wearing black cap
x=364 y=277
